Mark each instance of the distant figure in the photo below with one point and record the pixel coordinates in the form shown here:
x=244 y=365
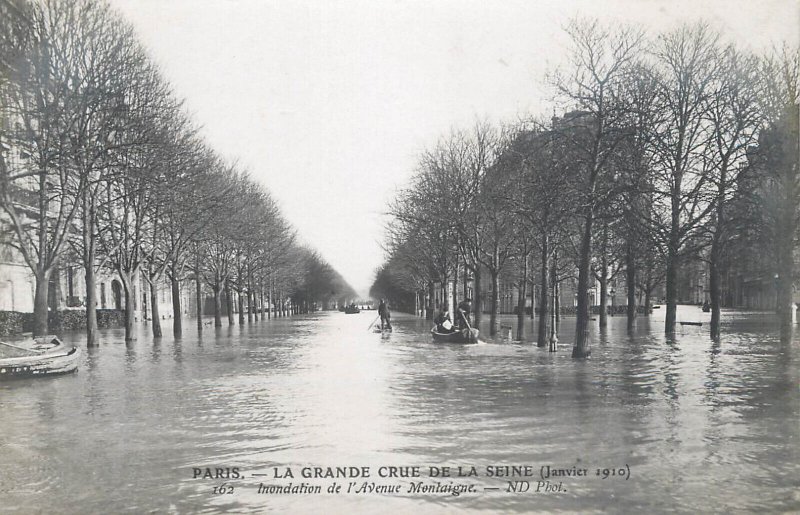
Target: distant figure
x=706 y=307
x=464 y=310
x=383 y=312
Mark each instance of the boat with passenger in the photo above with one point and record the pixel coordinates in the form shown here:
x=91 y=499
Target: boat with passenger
x=465 y=335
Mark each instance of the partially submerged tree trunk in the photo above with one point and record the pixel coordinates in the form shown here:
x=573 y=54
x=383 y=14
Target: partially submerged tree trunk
x=198 y=292
x=478 y=295
x=581 y=348
x=604 y=293
x=630 y=285
x=240 y=299
x=671 y=316
x=217 y=288
x=40 y=304
x=91 y=305
x=495 y=301
x=89 y=271
x=130 y=304
x=541 y=340
x=229 y=302
x=523 y=282
x=177 y=315
x=154 y=312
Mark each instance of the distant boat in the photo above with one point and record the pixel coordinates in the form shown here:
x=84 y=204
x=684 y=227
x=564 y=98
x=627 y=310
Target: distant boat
x=691 y=323
x=463 y=336
x=38 y=357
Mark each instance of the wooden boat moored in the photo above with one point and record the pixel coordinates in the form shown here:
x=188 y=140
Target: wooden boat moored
x=463 y=336
x=38 y=357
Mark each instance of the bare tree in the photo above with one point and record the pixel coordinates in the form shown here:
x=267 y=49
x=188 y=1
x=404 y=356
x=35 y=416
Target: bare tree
x=686 y=67
x=734 y=118
x=778 y=157
x=40 y=189
x=600 y=63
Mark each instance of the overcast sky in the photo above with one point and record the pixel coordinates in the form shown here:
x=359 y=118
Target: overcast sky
x=328 y=103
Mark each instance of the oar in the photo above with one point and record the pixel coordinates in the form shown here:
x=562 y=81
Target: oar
x=373 y=322
x=469 y=327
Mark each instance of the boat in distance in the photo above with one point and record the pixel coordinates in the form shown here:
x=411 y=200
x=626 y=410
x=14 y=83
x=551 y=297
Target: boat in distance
x=37 y=357
x=463 y=336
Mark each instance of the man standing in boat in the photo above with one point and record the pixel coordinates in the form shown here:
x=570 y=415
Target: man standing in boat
x=383 y=311
x=464 y=310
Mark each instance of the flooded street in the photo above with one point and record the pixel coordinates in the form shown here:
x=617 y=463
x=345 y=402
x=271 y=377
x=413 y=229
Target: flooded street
x=701 y=427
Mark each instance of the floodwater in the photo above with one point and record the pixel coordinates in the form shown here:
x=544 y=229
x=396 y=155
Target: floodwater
x=682 y=426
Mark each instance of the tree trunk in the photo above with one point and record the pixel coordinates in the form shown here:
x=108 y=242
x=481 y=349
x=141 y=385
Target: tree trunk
x=177 y=316
x=156 y=318
x=91 y=303
x=40 y=304
x=521 y=297
x=495 y=301
x=541 y=339
x=672 y=293
x=429 y=308
x=557 y=286
x=270 y=307
x=582 y=348
x=455 y=285
x=478 y=296
x=88 y=268
x=263 y=306
x=229 y=302
x=630 y=285
x=603 y=294
x=715 y=293
x=217 y=305
x=554 y=303
x=130 y=304
x=240 y=299
x=199 y=298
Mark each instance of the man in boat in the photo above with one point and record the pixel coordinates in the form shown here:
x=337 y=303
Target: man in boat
x=464 y=310
x=383 y=312
x=443 y=322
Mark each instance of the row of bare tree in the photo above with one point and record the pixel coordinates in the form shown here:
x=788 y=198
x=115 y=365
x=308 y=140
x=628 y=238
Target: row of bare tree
x=100 y=162
x=669 y=146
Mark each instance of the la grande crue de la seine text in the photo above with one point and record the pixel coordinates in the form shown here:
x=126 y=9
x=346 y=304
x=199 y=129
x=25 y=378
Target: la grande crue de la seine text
x=365 y=472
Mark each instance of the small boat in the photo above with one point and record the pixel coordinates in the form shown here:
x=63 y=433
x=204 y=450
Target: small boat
x=41 y=356
x=463 y=336
x=691 y=323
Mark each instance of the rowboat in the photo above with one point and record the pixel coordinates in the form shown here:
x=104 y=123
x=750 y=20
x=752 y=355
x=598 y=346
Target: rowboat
x=463 y=336
x=38 y=357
